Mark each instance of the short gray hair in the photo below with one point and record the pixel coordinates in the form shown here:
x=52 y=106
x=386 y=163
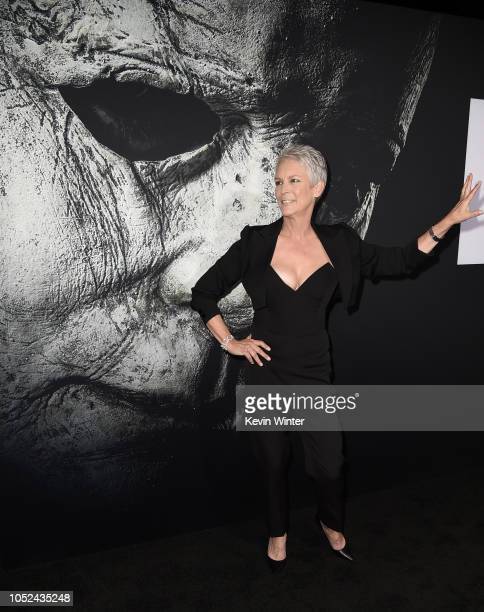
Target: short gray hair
x=311 y=158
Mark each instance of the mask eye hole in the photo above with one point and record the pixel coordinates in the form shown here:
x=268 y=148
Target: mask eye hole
x=141 y=122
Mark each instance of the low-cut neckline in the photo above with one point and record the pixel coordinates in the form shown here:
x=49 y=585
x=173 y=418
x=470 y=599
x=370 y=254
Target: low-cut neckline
x=273 y=250
x=304 y=281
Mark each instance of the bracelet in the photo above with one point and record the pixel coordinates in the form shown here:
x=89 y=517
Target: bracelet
x=225 y=341
x=434 y=236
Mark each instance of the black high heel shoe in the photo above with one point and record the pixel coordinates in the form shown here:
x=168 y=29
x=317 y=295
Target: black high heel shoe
x=276 y=566
x=344 y=552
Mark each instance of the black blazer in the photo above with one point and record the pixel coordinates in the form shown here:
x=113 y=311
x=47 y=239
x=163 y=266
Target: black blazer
x=247 y=259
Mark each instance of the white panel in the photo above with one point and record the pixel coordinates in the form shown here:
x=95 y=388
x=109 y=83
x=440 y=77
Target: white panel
x=471 y=239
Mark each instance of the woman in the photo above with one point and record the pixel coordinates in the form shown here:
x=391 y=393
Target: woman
x=292 y=269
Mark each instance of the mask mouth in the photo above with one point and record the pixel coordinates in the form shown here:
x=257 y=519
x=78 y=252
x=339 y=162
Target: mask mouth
x=135 y=414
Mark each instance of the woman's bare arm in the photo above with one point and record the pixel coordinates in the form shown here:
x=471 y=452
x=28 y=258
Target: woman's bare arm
x=218 y=328
x=249 y=347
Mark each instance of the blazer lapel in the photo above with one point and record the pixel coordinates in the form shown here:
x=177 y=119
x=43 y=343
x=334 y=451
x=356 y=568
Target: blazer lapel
x=335 y=245
x=262 y=243
x=333 y=242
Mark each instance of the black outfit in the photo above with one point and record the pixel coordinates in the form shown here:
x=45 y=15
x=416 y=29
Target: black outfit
x=292 y=322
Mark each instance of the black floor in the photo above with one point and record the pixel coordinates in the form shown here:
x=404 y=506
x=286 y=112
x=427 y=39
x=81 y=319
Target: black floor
x=418 y=547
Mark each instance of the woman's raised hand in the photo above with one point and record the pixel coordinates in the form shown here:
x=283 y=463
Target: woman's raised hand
x=461 y=211
x=249 y=348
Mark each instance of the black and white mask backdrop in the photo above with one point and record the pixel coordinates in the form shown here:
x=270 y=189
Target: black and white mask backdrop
x=138 y=137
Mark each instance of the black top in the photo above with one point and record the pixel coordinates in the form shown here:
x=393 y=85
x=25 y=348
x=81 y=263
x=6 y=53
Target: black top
x=293 y=312
x=293 y=323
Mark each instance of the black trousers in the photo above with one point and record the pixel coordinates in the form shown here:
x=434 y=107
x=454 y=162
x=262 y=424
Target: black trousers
x=324 y=460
